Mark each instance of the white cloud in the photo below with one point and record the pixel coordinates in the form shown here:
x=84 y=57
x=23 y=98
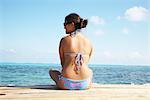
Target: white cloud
x=136 y=55
x=120 y=57
x=97 y=20
x=137 y=14
x=11 y=51
x=108 y=54
x=119 y=17
x=125 y=31
x=100 y=32
x=8 y=51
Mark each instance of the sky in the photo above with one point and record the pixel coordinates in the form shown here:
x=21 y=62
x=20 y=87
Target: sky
x=119 y=30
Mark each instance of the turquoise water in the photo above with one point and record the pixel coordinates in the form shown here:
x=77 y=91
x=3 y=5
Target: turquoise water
x=37 y=74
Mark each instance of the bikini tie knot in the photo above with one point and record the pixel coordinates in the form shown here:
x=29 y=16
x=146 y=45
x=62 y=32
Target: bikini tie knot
x=78 y=61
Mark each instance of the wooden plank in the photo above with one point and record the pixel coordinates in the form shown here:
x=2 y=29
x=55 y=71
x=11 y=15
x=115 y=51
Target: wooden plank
x=97 y=92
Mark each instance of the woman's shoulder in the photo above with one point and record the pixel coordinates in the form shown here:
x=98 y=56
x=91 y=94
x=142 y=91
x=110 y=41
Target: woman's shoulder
x=86 y=39
x=64 y=39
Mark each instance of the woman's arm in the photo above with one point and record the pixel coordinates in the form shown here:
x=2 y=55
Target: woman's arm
x=91 y=53
x=61 y=54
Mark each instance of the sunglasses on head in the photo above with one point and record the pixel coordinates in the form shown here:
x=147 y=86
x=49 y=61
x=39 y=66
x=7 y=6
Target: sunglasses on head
x=67 y=23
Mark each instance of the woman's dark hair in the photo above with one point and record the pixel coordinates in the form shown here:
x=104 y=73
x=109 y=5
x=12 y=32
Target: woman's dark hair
x=79 y=22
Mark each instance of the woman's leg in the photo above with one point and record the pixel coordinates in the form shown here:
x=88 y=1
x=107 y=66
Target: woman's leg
x=54 y=74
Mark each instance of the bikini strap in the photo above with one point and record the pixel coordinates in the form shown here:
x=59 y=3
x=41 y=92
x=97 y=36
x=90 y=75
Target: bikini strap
x=78 y=61
x=73 y=34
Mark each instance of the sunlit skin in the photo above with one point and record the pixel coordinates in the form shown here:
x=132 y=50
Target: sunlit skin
x=76 y=44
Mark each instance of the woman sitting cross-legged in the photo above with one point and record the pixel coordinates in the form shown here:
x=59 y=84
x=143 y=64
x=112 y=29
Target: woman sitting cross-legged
x=75 y=51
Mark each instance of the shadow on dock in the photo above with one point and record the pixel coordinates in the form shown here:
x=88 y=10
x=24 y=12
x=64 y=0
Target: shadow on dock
x=45 y=87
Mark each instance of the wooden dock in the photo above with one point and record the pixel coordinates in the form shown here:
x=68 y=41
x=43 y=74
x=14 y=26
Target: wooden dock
x=97 y=92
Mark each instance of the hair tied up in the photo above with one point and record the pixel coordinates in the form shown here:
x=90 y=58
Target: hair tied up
x=84 y=23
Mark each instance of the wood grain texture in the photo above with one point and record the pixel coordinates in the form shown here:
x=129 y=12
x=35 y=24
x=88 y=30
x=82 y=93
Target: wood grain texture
x=97 y=92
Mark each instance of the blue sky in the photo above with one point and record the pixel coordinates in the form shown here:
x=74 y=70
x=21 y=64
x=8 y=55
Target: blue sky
x=30 y=30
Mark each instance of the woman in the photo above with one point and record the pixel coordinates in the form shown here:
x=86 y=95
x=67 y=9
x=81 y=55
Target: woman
x=75 y=51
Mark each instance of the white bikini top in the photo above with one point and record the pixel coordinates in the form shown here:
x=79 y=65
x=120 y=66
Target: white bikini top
x=78 y=56
x=78 y=59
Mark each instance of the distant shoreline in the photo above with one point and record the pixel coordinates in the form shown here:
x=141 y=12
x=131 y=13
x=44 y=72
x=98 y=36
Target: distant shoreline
x=60 y=64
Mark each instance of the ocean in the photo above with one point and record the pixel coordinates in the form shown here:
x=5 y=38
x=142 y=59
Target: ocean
x=27 y=74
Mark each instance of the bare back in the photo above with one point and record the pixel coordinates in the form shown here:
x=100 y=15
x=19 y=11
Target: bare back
x=69 y=46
